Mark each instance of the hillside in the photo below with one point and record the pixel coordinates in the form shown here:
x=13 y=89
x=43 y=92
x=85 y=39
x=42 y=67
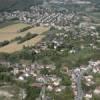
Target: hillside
x=17 y=4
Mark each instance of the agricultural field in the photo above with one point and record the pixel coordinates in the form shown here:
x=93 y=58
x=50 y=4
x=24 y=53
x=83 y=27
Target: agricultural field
x=13 y=28
x=11 y=32
x=17 y=47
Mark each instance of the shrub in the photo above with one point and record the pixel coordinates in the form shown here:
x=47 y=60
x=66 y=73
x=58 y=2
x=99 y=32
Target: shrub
x=25 y=29
x=4 y=43
x=27 y=37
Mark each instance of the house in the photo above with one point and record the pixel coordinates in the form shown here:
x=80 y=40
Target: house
x=50 y=88
x=21 y=78
x=40 y=79
x=88 y=96
x=56 y=83
x=58 y=90
x=26 y=75
x=72 y=51
x=15 y=71
x=89 y=80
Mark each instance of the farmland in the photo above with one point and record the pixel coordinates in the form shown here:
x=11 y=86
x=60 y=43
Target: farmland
x=16 y=47
x=11 y=32
x=13 y=28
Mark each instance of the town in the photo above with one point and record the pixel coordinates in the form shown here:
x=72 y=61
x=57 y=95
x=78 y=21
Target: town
x=64 y=64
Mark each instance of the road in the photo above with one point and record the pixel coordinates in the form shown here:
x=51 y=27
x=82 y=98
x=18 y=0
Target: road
x=79 y=88
x=78 y=78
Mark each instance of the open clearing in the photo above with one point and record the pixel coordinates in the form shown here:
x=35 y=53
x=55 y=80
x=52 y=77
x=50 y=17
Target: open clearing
x=11 y=32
